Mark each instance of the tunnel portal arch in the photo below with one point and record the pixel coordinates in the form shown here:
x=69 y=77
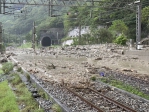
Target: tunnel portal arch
x=46 y=41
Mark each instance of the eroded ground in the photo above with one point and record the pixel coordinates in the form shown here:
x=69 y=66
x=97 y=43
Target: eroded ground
x=77 y=64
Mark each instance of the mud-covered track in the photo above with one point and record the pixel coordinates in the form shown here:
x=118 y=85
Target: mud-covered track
x=107 y=102
x=124 y=107
x=88 y=102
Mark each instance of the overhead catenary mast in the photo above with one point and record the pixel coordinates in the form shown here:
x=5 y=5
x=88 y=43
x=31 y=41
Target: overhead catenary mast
x=138 y=22
x=34 y=35
x=1 y=43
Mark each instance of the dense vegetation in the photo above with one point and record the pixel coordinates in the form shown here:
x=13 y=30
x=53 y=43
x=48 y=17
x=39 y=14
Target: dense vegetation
x=117 y=17
x=8 y=99
x=13 y=92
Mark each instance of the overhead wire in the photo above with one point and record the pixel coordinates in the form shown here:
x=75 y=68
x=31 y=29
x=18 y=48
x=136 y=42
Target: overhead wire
x=110 y=20
x=127 y=20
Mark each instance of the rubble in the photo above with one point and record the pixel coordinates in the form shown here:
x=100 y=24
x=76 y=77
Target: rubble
x=75 y=65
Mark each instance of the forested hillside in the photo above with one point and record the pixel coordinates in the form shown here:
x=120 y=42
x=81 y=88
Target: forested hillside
x=118 y=17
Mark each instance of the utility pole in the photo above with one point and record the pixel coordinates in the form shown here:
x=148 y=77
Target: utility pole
x=79 y=34
x=138 y=22
x=3 y=35
x=4 y=7
x=1 y=43
x=9 y=39
x=3 y=38
x=0 y=6
x=57 y=38
x=50 y=8
x=33 y=41
x=33 y=38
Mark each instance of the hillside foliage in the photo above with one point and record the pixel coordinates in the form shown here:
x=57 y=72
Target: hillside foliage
x=117 y=17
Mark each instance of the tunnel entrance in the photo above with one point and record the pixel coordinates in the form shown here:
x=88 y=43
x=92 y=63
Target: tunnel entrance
x=46 y=41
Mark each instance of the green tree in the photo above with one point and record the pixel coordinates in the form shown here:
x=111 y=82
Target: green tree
x=145 y=15
x=145 y=22
x=119 y=27
x=121 y=39
x=28 y=37
x=105 y=35
x=76 y=17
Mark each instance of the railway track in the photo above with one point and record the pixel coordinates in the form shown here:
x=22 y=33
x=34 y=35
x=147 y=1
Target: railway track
x=99 y=101
x=89 y=99
x=72 y=101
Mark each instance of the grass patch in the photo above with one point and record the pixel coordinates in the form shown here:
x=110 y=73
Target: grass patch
x=7 y=67
x=24 y=96
x=56 y=108
x=26 y=45
x=126 y=87
x=93 y=78
x=17 y=80
x=8 y=100
x=1 y=72
x=43 y=94
x=19 y=70
x=28 y=77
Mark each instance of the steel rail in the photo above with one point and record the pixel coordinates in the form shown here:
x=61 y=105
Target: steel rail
x=113 y=101
x=88 y=102
x=124 y=107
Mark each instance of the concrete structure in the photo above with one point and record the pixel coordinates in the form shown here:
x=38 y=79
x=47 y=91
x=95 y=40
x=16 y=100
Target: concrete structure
x=68 y=42
x=52 y=35
x=75 y=33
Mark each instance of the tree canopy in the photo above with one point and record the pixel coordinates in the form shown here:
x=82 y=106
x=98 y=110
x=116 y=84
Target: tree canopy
x=115 y=15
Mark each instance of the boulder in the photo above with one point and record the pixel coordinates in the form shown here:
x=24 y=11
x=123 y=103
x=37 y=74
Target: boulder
x=3 y=60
